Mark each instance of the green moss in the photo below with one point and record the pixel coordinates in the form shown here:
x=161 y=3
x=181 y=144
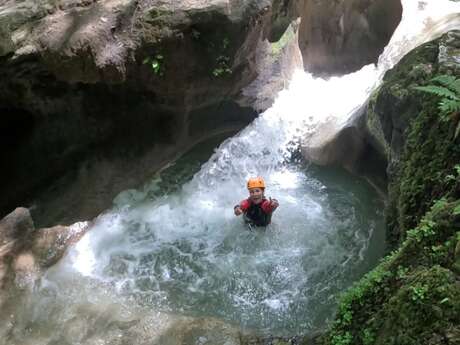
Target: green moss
x=412 y=294
x=430 y=153
x=428 y=303
x=288 y=36
x=158 y=16
x=430 y=156
x=374 y=125
x=414 y=66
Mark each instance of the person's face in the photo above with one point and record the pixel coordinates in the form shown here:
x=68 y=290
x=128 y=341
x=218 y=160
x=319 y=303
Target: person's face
x=256 y=195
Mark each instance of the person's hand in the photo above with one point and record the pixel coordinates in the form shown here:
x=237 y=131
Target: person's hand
x=274 y=203
x=238 y=210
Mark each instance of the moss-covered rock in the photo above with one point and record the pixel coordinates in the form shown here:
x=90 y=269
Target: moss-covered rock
x=408 y=127
x=413 y=296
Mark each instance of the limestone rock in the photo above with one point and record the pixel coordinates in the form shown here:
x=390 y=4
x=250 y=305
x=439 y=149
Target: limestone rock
x=49 y=244
x=449 y=53
x=112 y=90
x=18 y=224
x=342 y=36
x=26 y=252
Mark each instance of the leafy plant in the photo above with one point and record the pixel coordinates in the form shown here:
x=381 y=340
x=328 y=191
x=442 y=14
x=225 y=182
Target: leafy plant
x=340 y=339
x=446 y=87
x=222 y=64
x=368 y=337
x=424 y=230
x=157 y=64
x=402 y=272
x=419 y=292
x=222 y=67
x=225 y=43
x=196 y=34
x=453 y=177
x=456 y=210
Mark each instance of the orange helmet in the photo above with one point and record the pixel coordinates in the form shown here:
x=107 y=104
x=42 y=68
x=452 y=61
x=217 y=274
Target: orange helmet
x=256 y=182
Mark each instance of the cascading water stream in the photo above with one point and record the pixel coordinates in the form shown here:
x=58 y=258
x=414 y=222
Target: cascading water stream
x=181 y=251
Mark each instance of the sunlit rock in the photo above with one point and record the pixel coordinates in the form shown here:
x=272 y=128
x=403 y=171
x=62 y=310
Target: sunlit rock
x=338 y=37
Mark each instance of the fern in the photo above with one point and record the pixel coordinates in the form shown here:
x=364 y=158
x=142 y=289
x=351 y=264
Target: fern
x=448 y=89
x=444 y=79
x=449 y=105
x=448 y=81
x=440 y=91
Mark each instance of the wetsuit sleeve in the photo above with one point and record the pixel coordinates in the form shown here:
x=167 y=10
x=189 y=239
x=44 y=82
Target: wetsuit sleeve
x=245 y=205
x=267 y=207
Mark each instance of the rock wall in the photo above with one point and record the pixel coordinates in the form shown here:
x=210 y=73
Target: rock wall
x=413 y=296
x=97 y=95
x=338 y=37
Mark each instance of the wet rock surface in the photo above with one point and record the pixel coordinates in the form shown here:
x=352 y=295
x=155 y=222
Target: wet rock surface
x=98 y=95
x=348 y=145
x=25 y=252
x=112 y=90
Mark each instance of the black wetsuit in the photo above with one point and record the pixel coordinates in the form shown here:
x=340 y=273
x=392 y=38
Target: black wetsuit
x=258 y=214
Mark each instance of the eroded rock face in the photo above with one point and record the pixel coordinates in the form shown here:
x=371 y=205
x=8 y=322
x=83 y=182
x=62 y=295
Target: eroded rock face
x=338 y=37
x=97 y=95
x=112 y=90
x=348 y=145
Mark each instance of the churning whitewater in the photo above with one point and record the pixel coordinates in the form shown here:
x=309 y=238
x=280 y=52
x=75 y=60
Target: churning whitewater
x=185 y=252
x=176 y=248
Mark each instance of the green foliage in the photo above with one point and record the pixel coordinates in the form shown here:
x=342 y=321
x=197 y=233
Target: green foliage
x=342 y=339
x=413 y=297
x=423 y=231
x=448 y=81
x=400 y=291
x=402 y=272
x=225 y=43
x=456 y=210
x=368 y=337
x=288 y=36
x=156 y=63
x=419 y=292
x=448 y=89
x=222 y=63
x=427 y=169
x=222 y=67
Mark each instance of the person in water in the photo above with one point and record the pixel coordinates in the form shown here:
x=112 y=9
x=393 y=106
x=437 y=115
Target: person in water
x=257 y=209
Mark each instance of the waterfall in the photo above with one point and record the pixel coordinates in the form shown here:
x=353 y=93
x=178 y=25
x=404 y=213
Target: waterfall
x=185 y=253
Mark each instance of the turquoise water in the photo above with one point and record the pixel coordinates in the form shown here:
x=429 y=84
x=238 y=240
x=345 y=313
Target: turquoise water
x=169 y=248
